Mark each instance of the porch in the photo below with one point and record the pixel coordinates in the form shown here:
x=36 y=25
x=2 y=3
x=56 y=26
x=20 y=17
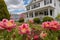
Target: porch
x=40 y=13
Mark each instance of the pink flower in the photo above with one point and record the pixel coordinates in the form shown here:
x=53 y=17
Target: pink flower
x=53 y=25
x=1 y=26
x=8 y=24
x=31 y=21
x=46 y=24
x=43 y=35
x=36 y=37
x=24 y=29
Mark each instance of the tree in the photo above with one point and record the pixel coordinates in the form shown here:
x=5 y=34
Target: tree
x=3 y=11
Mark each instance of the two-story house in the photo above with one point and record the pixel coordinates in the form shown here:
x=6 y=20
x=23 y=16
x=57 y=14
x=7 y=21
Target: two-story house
x=41 y=8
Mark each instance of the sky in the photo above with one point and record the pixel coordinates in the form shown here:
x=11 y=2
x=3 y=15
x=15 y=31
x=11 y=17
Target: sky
x=17 y=6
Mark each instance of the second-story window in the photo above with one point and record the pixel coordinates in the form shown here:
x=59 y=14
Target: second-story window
x=28 y=8
x=35 y=5
x=38 y=5
x=50 y=1
x=47 y=2
x=59 y=3
x=44 y=2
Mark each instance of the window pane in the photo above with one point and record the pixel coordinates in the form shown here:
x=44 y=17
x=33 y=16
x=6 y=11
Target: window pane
x=45 y=12
x=27 y=15
x=40 y=13
x=44 y=2
x=50 y=1
x=28 y=8
x=36 y=14
x=51 y=12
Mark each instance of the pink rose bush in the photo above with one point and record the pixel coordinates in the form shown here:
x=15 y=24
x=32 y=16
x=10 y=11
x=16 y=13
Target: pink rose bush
x=52 y=29
x=49 y=30
x=53 y=25
x=7 y=25
x=24 y=29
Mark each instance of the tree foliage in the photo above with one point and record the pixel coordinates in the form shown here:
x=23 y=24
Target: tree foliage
x=3 y=10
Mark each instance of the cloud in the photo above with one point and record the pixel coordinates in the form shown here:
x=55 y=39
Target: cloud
x=15 y=6
x=14 y=2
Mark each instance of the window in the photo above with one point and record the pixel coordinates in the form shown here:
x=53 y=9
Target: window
x=31 y=14
x=40 y=13
x=50 y=1
x=54 y=4
x=36 y=14
x=47 y=2
x=38 y=5
x=51 y=12
x=32 y=6
x=27 y=15
x=59 y=3
x=28 y=8
x=44 y=2
x=45 y=12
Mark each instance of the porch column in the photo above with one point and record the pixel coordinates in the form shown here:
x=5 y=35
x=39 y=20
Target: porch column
x=33 y=14
x=48 y=11
x=28 y=14
x=30 y=7
x=38 y=14
x=53 y=13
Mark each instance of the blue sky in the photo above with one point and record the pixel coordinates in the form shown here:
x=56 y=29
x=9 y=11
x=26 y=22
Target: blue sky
x=26 y=2
x=17 y=6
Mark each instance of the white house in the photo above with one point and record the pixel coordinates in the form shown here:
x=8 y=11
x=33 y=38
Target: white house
x=41 y=8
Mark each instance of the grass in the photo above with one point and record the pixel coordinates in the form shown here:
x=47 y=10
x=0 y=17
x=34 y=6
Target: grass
x=36 y=26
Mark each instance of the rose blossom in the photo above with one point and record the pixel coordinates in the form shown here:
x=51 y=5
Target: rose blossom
x=24 y=29
x=8 y=24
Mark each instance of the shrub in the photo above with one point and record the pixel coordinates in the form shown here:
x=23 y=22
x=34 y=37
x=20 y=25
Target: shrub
x=58 y=17
x=21 y=20
x=36 y=20
x=47 y=18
